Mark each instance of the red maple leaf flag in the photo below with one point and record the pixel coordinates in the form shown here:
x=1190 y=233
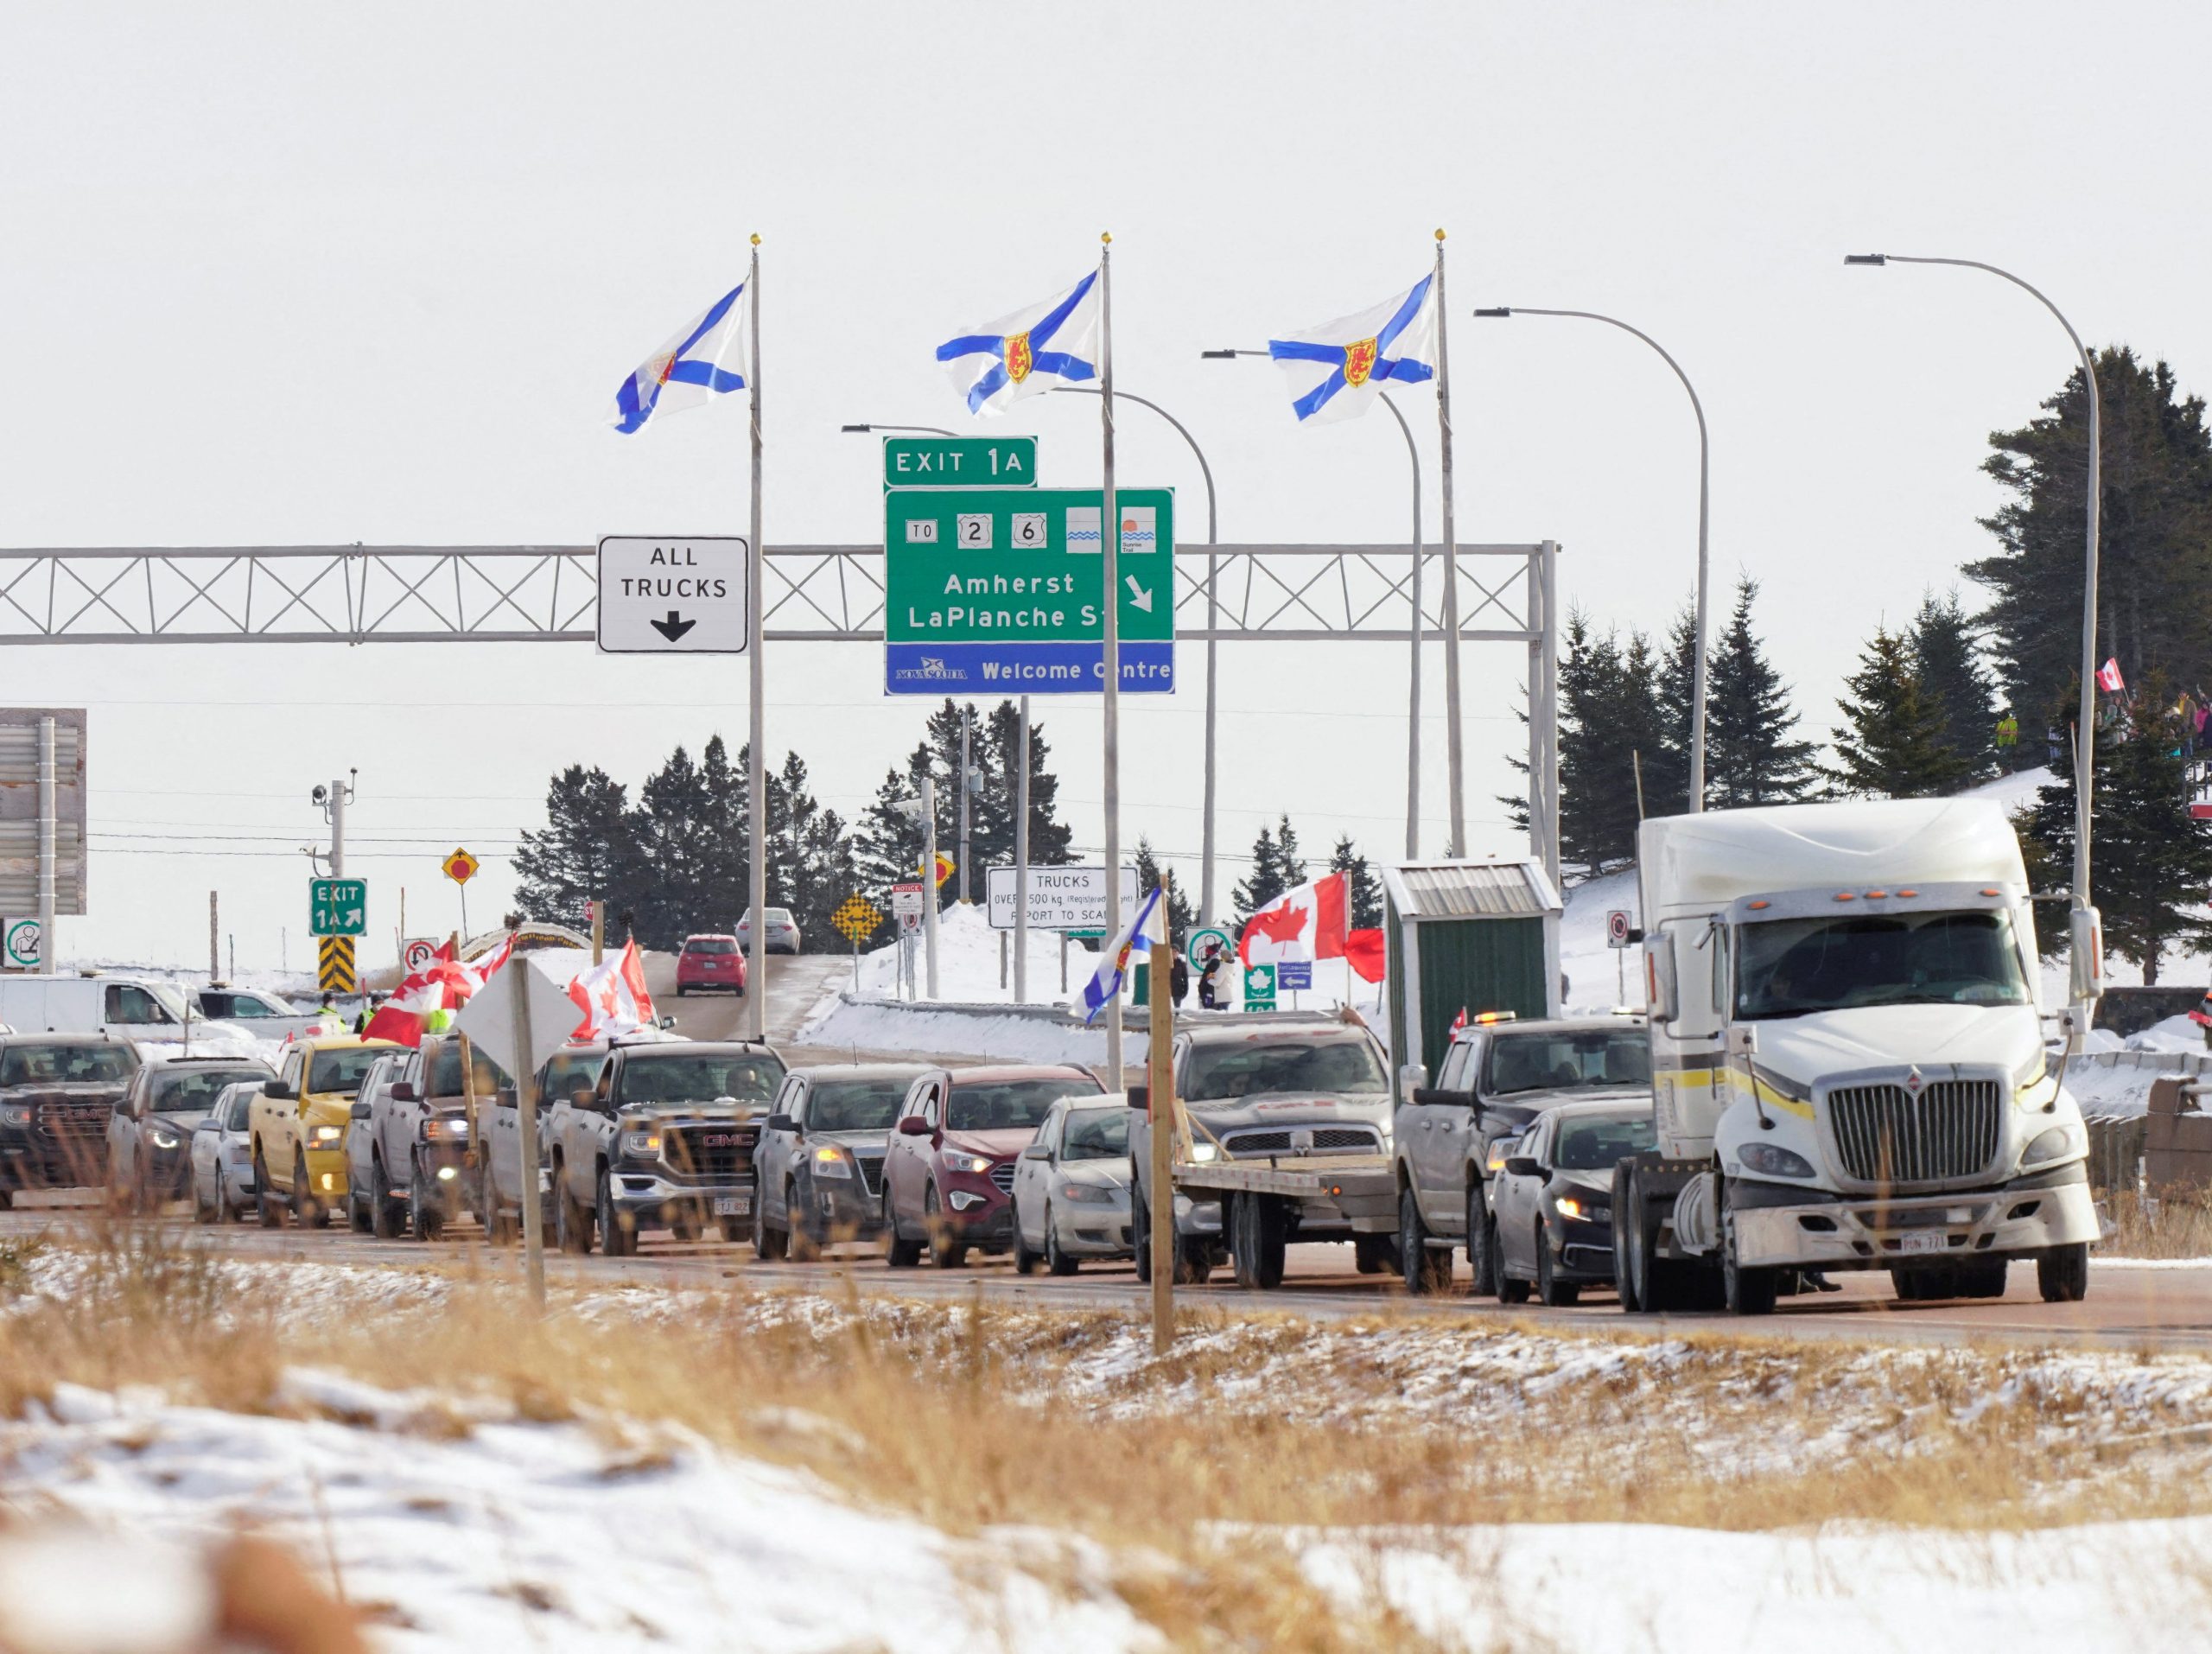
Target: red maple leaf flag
x=1308 y=923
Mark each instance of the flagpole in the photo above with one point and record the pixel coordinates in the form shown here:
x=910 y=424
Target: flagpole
x=1454 y=759
x=1109 y=520
x=756 y=810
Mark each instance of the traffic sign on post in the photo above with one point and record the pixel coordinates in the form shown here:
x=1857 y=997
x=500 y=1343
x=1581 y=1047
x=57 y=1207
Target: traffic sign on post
x=856 y=919
x=460 y=866
x=1060 y=898
x=1616 y=928
x=338 y=907
x=960 y=461
x=1259 y=988
x=1203 y=943
x=673 y=596
x=1294 y=976
x=21 y=943
x=998 y=590
x=334 y=965
x=417 y=952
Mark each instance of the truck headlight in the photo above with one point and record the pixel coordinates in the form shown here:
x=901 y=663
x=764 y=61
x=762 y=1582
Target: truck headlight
x=1202 y=1153
x=1770 y=1159
x=327 y=1136
x=831 y=1163
x=15 y=1114
x=641 y=1145
x=2054 y=1144
x=1092 y=1195
x=453 y=1130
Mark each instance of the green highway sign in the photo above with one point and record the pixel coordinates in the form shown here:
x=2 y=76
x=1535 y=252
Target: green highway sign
x=959 y=462
x=1259 y=988
x=338 y=907
x=988 y=590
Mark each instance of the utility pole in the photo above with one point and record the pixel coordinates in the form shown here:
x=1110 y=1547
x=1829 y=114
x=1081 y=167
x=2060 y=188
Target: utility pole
x=214 y=939
x=966 y=725
x=929 y=885
x=1159 y=1100
x=48 y=953
x=1021 y=862
x=338 y=791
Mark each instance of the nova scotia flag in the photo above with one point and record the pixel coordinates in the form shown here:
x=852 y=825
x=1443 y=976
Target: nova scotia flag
x=1337 y=369
x=1032 y=350
x=1148 y=927
x=702 y=361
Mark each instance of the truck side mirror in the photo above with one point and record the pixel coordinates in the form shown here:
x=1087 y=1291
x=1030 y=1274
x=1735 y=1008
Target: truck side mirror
x=402 y=1090
x=1038 y=1151
x=779 y=1123
x=1523 y=1166
x=2085 y=954
x=359 y=1111
x=1413 y=1077
x=1659 y=977
x=277 y=1089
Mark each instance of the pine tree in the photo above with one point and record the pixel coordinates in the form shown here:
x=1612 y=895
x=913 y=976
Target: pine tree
x=1667 y=771
x=888 y=843
x=727 y=848
x=676 y=825
x=1181 y=914
x=1275 y=869
x=2153 y=858
x=588 y=851
x=1287 y=861
x=1750 y=758
x=1891 y=746
x=1000 y=738
x=1362 y=890
x=1946 y=654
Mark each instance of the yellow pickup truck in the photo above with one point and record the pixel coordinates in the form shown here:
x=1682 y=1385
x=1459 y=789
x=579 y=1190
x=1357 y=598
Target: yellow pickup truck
x=298 y=1125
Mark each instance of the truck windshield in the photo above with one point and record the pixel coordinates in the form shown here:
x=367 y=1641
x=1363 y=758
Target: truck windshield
x=67 y=1064
x=445 y=1073
x=1565 y=1059
x=1335 y=1064
x=1790 y=967
x=340 y=1071
x=701 y=1077
x=1096 y=1134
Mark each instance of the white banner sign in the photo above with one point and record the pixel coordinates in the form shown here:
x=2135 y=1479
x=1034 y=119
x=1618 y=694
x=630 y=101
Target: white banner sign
x=1060 y=898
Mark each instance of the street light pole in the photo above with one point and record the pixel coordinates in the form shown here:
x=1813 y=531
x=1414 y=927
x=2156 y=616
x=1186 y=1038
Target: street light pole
x=918 y=431
x=1704 y=499
x=1412 y=693
x=2087 y=962
x=1213 y=535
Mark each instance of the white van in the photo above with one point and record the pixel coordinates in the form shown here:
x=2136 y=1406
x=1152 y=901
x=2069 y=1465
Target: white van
x=131 y=1007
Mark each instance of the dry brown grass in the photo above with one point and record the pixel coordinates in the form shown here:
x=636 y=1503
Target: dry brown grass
x=974 y=1418
x=2174 y=1226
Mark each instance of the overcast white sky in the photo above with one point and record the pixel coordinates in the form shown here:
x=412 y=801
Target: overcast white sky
x=277 y=274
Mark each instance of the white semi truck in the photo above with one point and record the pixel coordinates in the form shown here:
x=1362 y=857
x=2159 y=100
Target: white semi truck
x=1848 y=1061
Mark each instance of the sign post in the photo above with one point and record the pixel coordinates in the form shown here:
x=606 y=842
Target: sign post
x=1617 y=934
x=1160 y=1099
x=672 y=595
x=856 y=919
x=461 y=867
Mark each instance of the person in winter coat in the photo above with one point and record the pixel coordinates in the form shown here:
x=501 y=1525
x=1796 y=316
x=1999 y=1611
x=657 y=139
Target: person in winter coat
x=1179 y=981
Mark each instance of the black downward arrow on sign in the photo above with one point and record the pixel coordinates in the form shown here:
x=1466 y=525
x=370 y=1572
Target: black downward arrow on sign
x=674 y=627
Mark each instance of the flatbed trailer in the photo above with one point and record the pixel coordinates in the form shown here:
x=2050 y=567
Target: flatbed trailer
x=1260 y=1198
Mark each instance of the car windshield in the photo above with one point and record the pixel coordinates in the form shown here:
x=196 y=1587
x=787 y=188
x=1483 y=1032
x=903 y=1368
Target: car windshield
x=565 y=1077
x=1011 y=1105
x=1566 y=1060
x=445 y=1073
x=1599 y=1143
x=1340 y=1063
x=341 y=1071
x=710 y=945
x=1788 y=967
x=67 y=1064
x=193 y=1090
x=1096 y=1134
x=855 y=1104
x=700 y=1077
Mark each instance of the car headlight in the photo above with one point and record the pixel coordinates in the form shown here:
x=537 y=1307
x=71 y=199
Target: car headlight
x=327 y=1136
x=641 y=1145
x=1202 y=1153
x=15 y=1114
x=1499 y=1153
x=448 y=1130
x=1768 y=1160
x=1581 y=1208
x=1092 y=1194
x=2054 y=1144
x=164 y=1139
x=830 y=1162
x=974 y=1165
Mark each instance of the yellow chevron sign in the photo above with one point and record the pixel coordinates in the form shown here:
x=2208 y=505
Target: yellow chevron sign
x=334 y=965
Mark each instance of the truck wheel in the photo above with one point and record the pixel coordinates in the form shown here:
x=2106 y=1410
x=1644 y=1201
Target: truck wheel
x=1482 y=1244
x=1551 y=1291
x=1625 y=1226
x=1141 y=1231
x=1745 y=1291
x=572 y=1218
x=357 y=1217
x=307 y=1212
x=425 y=1222
x=1194 y=1259
x=1024 y=1261
x=1256 y=1242
x=383 y=1212
x=801 y=1245
x=1426 y=1268
x=945 y=1252
x=898 y=1252
x=615 y=1238
x=767 y=1243
x=1056 y=1261
x=7 y=1199
x=267 y=1206
x=2062 y=1274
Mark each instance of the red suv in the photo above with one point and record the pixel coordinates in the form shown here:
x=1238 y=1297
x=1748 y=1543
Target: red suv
x=948 y=1169
x=709 y=963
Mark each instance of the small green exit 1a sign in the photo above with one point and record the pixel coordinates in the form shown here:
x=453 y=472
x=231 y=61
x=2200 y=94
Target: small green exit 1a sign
x=338 y=907
x=960 y=461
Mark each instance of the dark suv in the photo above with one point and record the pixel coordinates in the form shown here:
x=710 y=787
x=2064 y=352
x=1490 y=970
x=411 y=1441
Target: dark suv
x=57 y=1093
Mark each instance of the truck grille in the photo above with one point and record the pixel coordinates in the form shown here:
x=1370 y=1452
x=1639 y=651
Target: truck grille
x=1002 y=1177
x=62 y=1123
x=1304 y=1140
x=710 y=1153
x=871 y=1172
x=1885 y=1135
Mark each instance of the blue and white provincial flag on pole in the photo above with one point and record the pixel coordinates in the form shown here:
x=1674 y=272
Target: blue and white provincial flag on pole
x=1337 y=369
x=1105 y=983
x=1035 y=348
x=705 y=361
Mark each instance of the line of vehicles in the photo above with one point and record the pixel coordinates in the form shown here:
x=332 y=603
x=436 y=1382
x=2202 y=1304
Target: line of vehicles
x=1842 y=1068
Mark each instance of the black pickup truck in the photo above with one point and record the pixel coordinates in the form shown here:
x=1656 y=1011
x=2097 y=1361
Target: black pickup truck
x=57 y=1091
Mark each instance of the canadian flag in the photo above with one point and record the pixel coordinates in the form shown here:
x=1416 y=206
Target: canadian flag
x=2108 y=677
x=1308 y=923
x=613 y=998
x=425 y=1002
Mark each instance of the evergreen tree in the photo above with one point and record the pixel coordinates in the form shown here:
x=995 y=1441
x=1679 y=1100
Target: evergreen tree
x=727 y=845
x=1642 y=723
x=1750 y=758
x=686 y=888
x=1292 y=866
x=1891 y=746
x=1181 y=914
x=588 y=851
x=1949 y=660
x=1000 y=735
x=1362 y=890
x=1275 y=868
x=887 y=844
x=2153 y=858
x=1666 y=771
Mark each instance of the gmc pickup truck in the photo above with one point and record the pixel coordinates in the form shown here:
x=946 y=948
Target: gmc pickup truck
x=57 y=1091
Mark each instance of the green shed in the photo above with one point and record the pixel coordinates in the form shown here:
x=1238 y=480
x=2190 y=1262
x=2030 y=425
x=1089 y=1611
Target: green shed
x=1464 y=936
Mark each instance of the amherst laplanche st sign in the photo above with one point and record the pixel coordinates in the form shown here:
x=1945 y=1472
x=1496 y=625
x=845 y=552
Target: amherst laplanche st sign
x=673 y=596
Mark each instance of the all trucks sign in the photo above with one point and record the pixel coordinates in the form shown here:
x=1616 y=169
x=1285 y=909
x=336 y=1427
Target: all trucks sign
x=1001 y=591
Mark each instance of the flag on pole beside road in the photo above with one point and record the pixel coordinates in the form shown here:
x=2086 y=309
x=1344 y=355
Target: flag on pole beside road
x=1032 y=350
x=425 y=1001
x=613 y=998
x=1305 y=924
x=1337 y=369
x=1105 y=984
x=2108 y=677
x=689 y=369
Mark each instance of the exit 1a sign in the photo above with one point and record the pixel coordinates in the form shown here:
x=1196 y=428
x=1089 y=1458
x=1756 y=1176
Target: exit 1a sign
x=960 y=461
x=338 y=907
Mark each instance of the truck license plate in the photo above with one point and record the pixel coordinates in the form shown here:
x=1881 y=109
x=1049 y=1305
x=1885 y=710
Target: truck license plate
x=733 y=1205
x=1927 y=1240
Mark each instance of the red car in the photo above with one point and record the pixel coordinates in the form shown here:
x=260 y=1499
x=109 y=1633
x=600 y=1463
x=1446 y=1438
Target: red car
x=948 y=1169
x=710 y=963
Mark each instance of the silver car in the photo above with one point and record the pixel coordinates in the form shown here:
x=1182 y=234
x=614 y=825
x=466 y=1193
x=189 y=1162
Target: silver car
x=1072 y=1186
x=222 y=1157
x=782 y=935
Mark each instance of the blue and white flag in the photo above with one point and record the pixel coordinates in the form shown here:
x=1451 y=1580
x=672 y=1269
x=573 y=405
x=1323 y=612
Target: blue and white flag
x=702 y=361
x=1337 y=369
x=1106 y=981
x=1033 y=349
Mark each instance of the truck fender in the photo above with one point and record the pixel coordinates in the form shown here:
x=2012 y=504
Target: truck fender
x=1697 y=1215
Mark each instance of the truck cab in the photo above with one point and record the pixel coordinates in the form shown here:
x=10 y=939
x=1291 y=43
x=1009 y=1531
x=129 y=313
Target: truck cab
x=299 y=1125
x=1848 y=1064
